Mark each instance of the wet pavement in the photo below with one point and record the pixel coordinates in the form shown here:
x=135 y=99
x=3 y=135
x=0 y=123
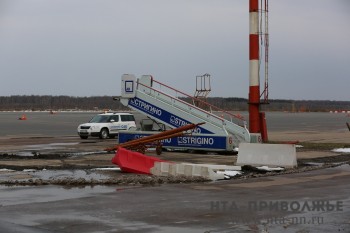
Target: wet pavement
x=225 y=206
x=53 y=184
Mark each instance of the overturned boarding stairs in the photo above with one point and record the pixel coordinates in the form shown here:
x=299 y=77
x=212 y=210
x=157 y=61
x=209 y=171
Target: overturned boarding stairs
x=175 y=109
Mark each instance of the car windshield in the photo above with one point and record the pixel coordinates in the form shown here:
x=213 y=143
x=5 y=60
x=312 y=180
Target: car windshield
x=100 y=119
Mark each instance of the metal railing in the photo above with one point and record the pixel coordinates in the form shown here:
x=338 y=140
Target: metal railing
x=164 y=89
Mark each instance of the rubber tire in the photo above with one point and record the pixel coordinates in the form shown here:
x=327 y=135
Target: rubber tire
x=104 y=133
x=84 y=137
x=159 y=149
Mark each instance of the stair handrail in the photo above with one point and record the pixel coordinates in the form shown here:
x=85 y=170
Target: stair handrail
x=193 y=98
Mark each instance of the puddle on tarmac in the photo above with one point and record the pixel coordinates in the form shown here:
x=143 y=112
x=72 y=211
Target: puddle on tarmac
x=15 y=195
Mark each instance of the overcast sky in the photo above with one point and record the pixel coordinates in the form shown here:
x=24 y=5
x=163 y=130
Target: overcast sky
x=82 y=47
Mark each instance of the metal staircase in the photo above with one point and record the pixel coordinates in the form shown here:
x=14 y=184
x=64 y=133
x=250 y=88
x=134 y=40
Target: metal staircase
x=175 y=108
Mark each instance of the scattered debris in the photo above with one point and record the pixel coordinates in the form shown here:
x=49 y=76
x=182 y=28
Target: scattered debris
x=342 y=150
x=29 y=170
x=106 y=169
x=261 y=169
x=249 y=168
x=134 y=162
x=229 y=174
x=6 y=170
x=270 y=169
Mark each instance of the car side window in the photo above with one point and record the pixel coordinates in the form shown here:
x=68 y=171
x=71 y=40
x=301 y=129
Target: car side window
x=115 y=118
x=127 y=117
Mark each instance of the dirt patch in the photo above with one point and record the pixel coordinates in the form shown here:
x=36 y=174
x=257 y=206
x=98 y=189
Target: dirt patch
x=129 y=179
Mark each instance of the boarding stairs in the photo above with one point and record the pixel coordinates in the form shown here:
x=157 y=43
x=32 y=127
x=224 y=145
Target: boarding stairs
x=175 y=108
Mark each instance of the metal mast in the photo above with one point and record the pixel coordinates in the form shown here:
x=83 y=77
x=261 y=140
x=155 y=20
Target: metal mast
x=254 y=59
x=257 y=32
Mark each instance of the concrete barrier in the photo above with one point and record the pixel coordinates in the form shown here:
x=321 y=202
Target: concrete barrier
x=190 y=170
x=217 y=167
x=278 y=155
x=161 y=169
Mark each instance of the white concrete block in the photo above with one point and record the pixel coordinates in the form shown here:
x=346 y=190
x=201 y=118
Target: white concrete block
x=172 y=169
x=189 y=170
x=197 y=171
x=155 y=169
x=180 y=169
x=215 y=176
x=278 y=155
x=160 y=169
x=217 y=167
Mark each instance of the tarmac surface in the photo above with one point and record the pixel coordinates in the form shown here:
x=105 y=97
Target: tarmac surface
x=75 y=201
x=54 y=183
x=224 y=206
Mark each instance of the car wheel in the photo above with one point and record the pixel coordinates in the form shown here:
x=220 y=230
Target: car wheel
x=159 y=149
x=104 y=133
x=83 y=137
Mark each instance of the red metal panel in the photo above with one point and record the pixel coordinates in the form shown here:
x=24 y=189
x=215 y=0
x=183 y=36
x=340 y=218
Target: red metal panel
x=254 y=95
x=254 y=119
x=254 y=109
x=254 y=91
x=253 y=47
x=253 y=5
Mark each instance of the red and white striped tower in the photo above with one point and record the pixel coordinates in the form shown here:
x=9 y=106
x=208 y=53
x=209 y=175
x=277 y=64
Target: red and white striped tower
x=254 y=81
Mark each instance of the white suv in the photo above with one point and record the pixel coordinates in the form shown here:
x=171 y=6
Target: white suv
x=106 y=125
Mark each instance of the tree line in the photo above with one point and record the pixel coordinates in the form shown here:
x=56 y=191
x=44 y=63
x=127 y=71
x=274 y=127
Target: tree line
x=56 y=103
